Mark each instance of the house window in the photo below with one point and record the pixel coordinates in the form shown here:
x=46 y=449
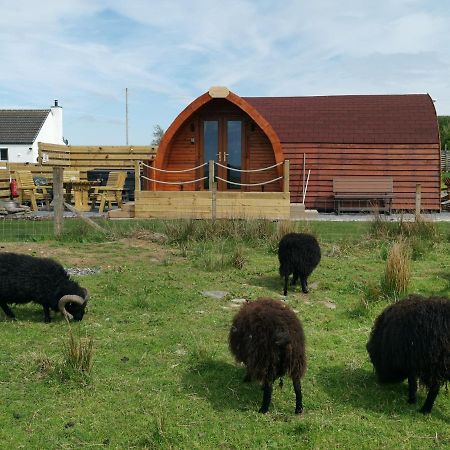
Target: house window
x=3 y=154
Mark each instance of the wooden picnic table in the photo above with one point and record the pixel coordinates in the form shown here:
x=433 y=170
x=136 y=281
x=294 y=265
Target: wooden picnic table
x=81 y=190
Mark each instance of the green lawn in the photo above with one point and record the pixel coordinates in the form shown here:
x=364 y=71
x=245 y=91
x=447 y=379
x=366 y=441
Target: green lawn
x=163 y=376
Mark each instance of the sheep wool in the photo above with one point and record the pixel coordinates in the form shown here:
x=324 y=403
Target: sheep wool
x=298 y=254
x=25 y=278
x=411 y=340
x=267 y=336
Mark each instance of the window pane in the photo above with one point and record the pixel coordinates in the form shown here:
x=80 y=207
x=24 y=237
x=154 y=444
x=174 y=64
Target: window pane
x=210 y=145
x=234 y=150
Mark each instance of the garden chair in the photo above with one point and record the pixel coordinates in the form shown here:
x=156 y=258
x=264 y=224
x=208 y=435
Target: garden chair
x=29 y=191
x=112 y=192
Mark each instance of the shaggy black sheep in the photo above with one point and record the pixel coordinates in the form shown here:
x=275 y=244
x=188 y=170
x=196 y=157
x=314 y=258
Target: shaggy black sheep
x=411 y=339
x=25 y=278
x=268 y=338
x=299 y=254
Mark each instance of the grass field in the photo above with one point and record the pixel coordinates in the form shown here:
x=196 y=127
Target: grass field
x=162 y=374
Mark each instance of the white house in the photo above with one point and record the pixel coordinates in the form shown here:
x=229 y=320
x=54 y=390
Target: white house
x=22 y=129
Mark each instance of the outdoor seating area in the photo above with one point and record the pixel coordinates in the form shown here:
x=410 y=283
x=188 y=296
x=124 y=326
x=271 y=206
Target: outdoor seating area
x=112 y=192
x=363 y=194
x=28 y=190
x=85 y=195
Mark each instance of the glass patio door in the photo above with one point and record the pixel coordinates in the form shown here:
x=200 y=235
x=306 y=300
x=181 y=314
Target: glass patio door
x=222 y=142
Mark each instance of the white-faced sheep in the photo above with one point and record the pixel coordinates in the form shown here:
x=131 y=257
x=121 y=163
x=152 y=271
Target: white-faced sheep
x=268 y=338
x=25 y=278
x=299 y=254
x=411 y=340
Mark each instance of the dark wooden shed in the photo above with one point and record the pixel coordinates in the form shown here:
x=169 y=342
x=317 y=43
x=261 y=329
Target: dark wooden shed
x=337 y=136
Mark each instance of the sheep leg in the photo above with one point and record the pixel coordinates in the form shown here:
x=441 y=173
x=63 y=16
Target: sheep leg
x=47 y=318
x=7 y=311
x=286 y=278
x=294 y=279
x=298 y=395
x=267 y=397
x=412 y=389
x=304 y=282
x=431 y=397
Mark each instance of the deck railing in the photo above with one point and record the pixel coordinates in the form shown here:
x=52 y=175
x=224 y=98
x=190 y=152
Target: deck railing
x=213 y=170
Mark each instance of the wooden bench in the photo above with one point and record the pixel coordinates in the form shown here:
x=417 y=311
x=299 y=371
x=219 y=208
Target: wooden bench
x=363 y=194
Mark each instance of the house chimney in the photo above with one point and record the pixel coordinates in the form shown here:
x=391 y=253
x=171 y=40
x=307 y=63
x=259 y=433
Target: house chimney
x=57 y=113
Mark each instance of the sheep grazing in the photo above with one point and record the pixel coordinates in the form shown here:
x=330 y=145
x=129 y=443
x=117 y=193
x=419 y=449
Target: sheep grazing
x=268 y=338
x=411 y=339
x=27 y=278
x=299 y=254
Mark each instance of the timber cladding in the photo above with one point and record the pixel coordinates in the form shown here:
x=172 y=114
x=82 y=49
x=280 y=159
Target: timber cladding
x=199 y=205
x=407 y=164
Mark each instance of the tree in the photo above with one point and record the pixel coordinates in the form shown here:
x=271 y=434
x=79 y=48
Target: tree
x=158 y=133
x=444 y=131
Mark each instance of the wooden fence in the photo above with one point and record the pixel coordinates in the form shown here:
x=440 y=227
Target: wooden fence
x=445 y=160
x=81 y=158
x=91 y=157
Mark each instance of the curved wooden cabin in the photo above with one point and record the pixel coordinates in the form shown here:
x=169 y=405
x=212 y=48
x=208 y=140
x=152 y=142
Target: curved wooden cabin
x=338 y=136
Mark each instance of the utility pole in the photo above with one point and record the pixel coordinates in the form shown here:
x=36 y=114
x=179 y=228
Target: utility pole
x=126 y=116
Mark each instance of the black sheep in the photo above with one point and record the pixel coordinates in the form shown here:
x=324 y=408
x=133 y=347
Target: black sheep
x=268 y=338
x=411 y=339
x=299 y=254
x=25 y=278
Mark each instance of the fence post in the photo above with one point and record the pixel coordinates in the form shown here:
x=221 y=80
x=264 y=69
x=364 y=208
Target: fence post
x=213 y=189
x=214 y=201
x=58 y=200
x=210 y=174
x=418 y=198
x=137 y=176
x=286 y=176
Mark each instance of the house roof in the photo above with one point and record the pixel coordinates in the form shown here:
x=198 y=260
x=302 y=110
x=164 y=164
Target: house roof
x=21 y=126
x=346 y=119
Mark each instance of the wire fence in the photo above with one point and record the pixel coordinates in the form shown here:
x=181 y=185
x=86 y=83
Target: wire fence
x=39 y=225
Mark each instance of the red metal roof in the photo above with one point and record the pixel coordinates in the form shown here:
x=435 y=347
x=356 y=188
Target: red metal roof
x=347 y=119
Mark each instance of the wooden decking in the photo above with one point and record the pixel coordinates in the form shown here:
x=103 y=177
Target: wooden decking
x=207 y=205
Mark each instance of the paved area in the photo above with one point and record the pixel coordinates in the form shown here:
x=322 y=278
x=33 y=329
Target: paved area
x=355 y=217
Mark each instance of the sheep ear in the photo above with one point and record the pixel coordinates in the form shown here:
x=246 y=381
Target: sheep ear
x=282 y=338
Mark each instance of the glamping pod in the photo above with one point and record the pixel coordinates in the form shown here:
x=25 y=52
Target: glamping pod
x=392 y=138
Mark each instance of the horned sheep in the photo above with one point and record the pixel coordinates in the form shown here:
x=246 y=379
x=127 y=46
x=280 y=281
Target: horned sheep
x=25 y=279
x=411 y=340
x=268 y=338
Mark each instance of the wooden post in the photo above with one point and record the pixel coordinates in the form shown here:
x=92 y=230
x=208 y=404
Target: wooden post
x=137 y=176
x=286 y=176
x=211 y=175
x=214 y=201
x=418 y=198
x=58 y=200
x=304 y=171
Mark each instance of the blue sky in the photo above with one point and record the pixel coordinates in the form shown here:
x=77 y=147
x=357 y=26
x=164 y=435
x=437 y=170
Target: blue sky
x=167 y=53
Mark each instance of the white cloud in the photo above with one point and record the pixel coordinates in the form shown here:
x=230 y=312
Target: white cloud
x=168 y=52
